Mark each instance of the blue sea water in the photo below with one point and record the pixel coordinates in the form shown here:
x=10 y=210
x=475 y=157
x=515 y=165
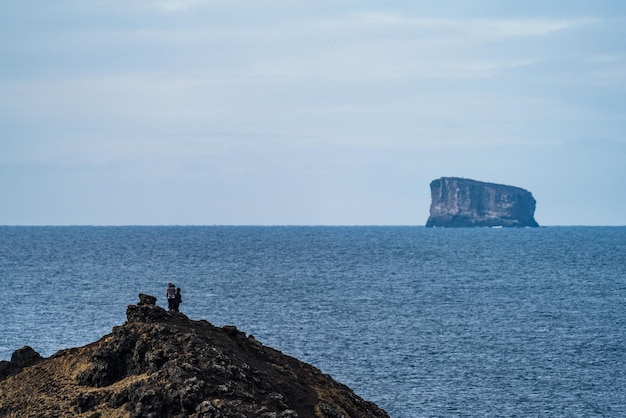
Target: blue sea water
x=423 y=322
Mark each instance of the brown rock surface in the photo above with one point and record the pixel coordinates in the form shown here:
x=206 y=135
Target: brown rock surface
x=162 y=364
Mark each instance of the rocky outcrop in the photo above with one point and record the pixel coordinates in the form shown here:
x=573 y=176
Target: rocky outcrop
x=21 y=358
x=162 y=364
x=459 y=202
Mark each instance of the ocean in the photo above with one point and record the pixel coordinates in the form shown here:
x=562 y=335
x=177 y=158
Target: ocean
x=424 y=322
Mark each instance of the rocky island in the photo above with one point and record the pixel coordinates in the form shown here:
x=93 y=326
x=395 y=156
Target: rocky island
x=460 y=202
x=162 y=364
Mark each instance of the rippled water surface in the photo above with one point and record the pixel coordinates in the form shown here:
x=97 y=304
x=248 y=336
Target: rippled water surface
x=424 y=322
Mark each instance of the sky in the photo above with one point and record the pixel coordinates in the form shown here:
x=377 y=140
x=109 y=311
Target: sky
x=312 y=112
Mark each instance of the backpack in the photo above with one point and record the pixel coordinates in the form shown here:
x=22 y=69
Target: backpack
x=171 y=292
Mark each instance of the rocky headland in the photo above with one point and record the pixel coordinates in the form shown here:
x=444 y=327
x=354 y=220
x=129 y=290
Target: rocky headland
x=162 y=364
x=460 y=202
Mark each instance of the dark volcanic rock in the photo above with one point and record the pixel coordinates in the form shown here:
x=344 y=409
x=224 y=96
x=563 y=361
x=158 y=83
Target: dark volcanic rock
x=146 y=299
x=25 y=356
x=22 y=357
x=162 y=364
x=458 y=202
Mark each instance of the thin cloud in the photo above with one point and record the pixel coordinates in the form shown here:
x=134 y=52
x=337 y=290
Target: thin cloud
x=527 y=27
x=176 y=5
x=497 y=28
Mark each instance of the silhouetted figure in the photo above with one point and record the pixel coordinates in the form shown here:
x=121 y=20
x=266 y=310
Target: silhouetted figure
x=178 y=299
x=170 y=293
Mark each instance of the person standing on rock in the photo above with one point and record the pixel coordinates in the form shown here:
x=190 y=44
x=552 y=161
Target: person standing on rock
x=178 y=299
x=170 y=294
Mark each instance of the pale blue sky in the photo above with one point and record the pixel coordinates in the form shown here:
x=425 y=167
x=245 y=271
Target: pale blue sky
x=307 y=112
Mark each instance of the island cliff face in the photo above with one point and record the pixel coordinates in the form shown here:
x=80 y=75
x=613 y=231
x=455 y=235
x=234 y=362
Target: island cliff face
x=162 y=364
x=459 y=202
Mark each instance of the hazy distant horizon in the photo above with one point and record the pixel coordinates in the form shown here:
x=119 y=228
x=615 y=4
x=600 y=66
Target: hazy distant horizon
x=300 y=225
x=214 y=112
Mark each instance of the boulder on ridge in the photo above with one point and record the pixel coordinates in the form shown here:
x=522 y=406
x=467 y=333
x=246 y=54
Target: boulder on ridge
x=22 y=357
